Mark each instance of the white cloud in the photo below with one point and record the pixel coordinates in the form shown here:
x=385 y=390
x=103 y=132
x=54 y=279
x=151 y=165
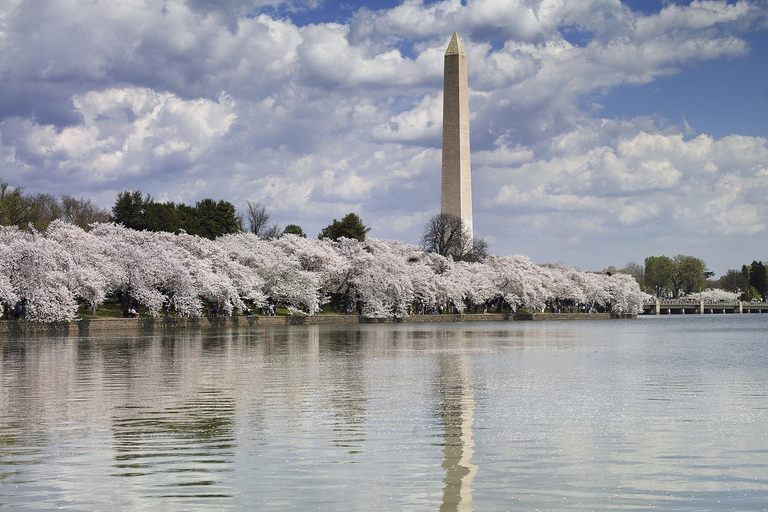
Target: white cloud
x=693 y=186
x=634 y=213
x=696 y=16
x=414 y=18
x=130 y=131
x=420 y=123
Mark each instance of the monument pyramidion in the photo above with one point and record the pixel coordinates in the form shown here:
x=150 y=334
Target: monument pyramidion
x=456 y=185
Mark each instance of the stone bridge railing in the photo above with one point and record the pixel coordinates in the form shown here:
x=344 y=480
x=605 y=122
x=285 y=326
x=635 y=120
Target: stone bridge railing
x=688 y=306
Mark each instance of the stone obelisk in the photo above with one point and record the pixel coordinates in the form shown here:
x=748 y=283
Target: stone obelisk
x=456 y=187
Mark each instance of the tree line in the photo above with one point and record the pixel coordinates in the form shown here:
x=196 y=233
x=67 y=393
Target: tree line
x=673 y=277
x=20 y=209
x=56 y=274
x=665 y=276
x=443 y=234
x=751 y=281
x=208 y=218
x=446 y=235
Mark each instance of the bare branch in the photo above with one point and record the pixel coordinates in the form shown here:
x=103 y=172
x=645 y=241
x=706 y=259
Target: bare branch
x=447 y=235
x=257 y=217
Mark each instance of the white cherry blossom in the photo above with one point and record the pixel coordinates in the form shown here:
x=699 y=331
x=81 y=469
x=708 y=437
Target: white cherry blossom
x=51 y=272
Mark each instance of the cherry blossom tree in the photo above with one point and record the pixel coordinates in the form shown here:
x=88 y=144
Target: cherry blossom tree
x=39 y=275
x=518 y=281
x=8 y=295
x=92 y=277
x=565 y=283
x=284 y=279
x=625 y=294
x=322 y=257
x=384 y=285
x=714 y=295
x=51 y=272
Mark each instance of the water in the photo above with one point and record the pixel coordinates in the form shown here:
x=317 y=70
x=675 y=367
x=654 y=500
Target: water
x=668 y=413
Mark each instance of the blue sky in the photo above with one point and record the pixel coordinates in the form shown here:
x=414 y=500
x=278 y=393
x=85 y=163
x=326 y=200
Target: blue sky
x=718 y=97
x=602 y=132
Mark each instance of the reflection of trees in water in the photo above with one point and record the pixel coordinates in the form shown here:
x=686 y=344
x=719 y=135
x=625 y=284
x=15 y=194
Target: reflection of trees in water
x=280 y=340
x=456 y=411
x=22 y=445
x=21 y=436
x=33 y=375
x=163 y=401
x=172 y=422
x=191 y=443
x=124 y=362
x=346 y=392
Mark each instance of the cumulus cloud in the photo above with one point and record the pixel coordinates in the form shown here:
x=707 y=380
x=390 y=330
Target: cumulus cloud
x=422 y=123
x=697 y=185
x=124 y=133
x=187 y=99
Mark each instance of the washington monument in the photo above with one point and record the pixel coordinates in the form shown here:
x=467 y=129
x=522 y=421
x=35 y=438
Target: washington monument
x=456 y=187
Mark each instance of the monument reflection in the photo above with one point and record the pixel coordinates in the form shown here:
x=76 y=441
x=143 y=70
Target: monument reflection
x=457 y=409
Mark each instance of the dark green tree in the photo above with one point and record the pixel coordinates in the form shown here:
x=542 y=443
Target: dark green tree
x=293 y=229
x=351 y=226
x=658 y=271
x=215 y=219
x=188 y=219
x=129 y=209
x=689 y=274
x=161 y=217
x=758 y=278
x=733 y=281
x=208 y=218
x=745 y=271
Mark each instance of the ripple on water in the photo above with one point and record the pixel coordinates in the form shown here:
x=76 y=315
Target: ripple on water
x=627 y=415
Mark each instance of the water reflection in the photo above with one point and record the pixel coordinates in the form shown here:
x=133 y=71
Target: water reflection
x=191 y=444
x=344 y=376
x=456 y=388
x=395 y=417
x=21 y=437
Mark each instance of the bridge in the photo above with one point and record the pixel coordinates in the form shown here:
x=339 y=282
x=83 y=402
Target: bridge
x=701 y=307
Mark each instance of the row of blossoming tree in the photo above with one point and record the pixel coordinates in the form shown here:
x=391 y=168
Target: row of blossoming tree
x=53 y=272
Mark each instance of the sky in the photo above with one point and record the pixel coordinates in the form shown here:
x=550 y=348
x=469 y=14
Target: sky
x=602 y=132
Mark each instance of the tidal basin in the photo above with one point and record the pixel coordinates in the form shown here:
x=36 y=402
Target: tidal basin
x=668 y=413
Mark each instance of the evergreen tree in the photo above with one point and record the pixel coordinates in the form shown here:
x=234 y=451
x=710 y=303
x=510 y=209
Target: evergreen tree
x=351 y=226
x=293 y=229
x=758 y=278
x=129 y=209
x=214 y=219
x=161 y=217
x=208 y=218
